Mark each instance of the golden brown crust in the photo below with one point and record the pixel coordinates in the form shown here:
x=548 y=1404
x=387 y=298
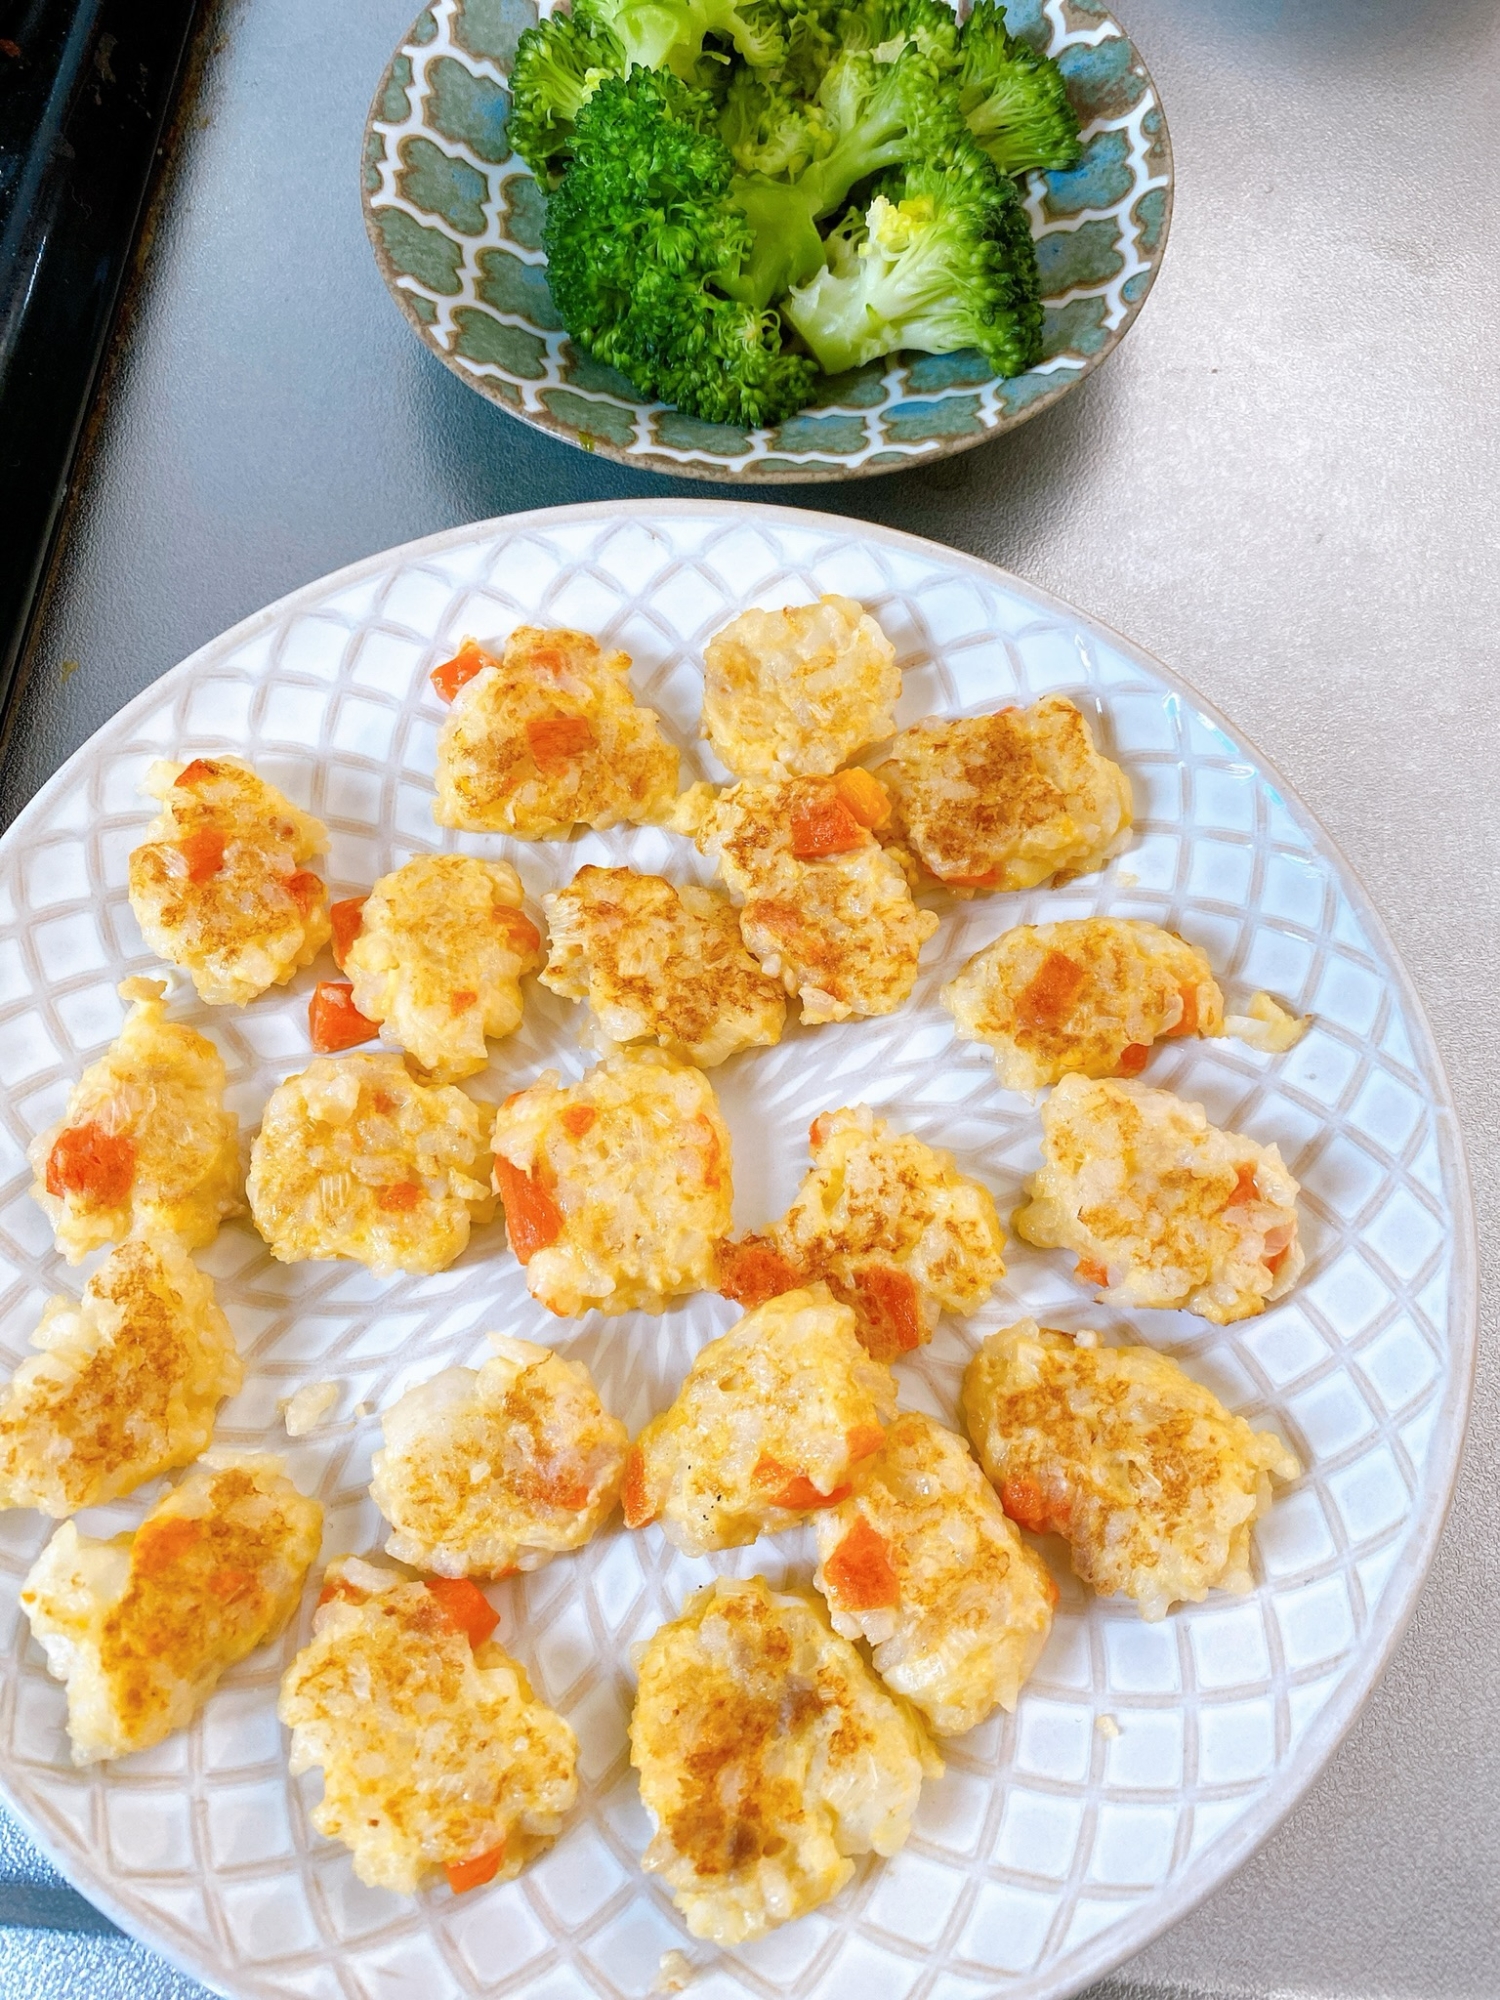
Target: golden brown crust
x=768 y=1754
x=1161 y=1208
x=142 y=1627
x=221 y=885
x=770 y=1420
x=1003 y=801
x=1079 y=997
x=507 y=764
x=356 y=1158
x=888 y=1223
x=962 y=1616
x=442 y=947
x=434 y=1752
x=157 y=1098
x=839 y=930
x=125 y=1386
x=797 y=692
x=662 y=963
x=495 y=1469
x=1154 y=1483
x=634 y=1161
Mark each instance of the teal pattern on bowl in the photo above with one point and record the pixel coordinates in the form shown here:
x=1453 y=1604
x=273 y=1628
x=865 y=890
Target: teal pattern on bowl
x=456 y=223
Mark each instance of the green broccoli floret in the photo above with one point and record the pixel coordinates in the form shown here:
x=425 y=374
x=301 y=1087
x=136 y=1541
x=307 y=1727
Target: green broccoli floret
x=874 y=112
x=930 y=26
x=942 y=261
x=1015 y=101
x=769 y=128
x=558 y=65
x=643 y=242
x=561 y=61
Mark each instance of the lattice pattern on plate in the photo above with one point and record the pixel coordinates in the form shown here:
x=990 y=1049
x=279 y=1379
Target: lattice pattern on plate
x=1053 y=1846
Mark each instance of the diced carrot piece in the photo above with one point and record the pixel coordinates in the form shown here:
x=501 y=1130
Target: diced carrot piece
x=1274 y=1263
x=461 y=1001
x=633 y=1497
x=347 y=919
x=824 y=825
x=860 y=1573
x=304 y=888
x=231 y=1586
x=987 y=880
x=469 y=660
x=1090 y=1272
x=342 y=1589
x=1188 y=1025
x=889 y=1311
x=865 y=796
x=819 y=1129
x=203 y=851
x=333 y=1020
x=864 y=1440
x=474 y=1874
x=398 y=1197
x=1027 y=1505
x=1245 y=1189
x=794 y=1489
x=96 y=1165
x=159 y=1544
x=752 y=1272
x=464 y=1606
x=578 y=1118
x=555 y=740
x=194 y=773
x=524 y=935
x=1050 y=991
x=533 y=1219
x=1133 y=1059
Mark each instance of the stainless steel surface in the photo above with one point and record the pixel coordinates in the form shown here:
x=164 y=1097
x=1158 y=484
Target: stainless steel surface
x=1285 y=484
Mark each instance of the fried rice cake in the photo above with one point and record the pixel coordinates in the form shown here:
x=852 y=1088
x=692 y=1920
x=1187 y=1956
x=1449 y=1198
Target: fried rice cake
x=824 y=908
x=1004 y=801
x=356 y=1158
x=797 y=692
x=767 y=1427
x=769 y=1756
x=547 y=736
x=142 y=1627
x=1161 y=1208
x=145 y=1145
x=437 y=1758
x=1153 y=1482
x=486 y=1471
x=617 y=1188
x=220 y=885
x=1086 y=997
x=435 y=955
x=888 y=1223
x=921 y=1562
x=125 y=1385
x=660 y=962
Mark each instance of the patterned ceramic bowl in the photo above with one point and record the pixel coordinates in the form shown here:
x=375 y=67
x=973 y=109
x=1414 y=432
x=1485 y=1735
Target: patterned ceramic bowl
x=456 y=221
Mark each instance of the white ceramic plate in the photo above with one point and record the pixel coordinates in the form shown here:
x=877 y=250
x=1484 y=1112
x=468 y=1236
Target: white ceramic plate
x=1054 y=1847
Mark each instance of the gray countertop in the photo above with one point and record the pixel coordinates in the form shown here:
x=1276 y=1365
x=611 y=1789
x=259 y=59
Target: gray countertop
x=1285 y=484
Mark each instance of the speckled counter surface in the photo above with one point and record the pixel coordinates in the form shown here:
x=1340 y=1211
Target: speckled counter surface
x=1284 y=484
